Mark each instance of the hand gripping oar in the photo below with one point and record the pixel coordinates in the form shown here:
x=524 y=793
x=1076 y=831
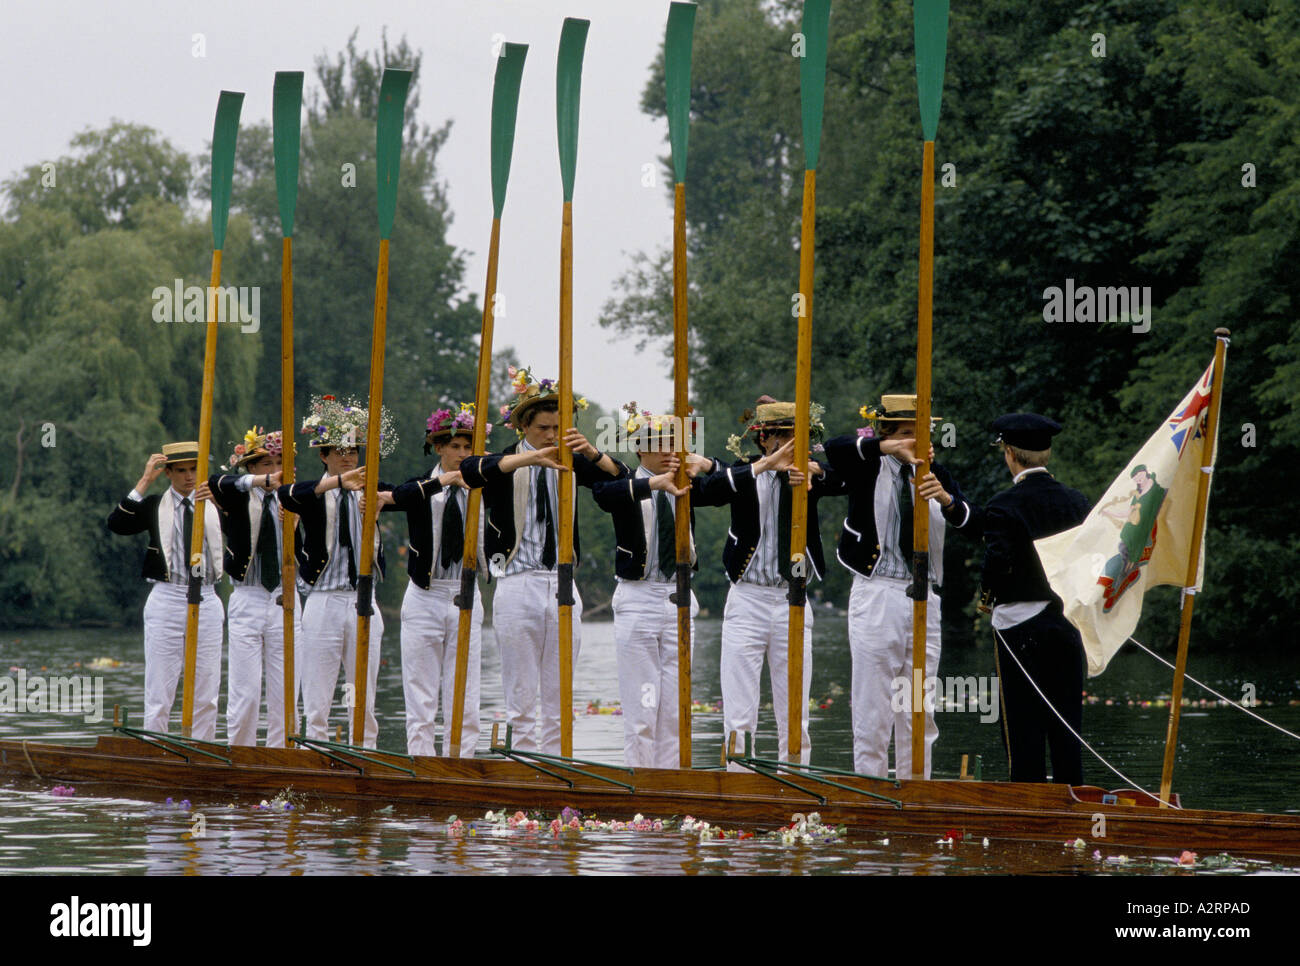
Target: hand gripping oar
x=930 y=19
x=568 y=89
x=388 y=156
x=286 y=115
x=224 y=132
x=677 y=75
x=505 y=106
x=812 y=94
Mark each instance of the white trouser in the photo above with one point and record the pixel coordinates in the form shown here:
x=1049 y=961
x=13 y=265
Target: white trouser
x=430 y=626
x=880 y=641
x=329 y=627
x=645 y=632
x=526 y=618
x=756 y=624
x=165 y=614
x=256 y=628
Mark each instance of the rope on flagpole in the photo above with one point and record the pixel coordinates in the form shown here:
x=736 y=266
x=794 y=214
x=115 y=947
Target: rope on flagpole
x=1239 y=707
x=1132 y=784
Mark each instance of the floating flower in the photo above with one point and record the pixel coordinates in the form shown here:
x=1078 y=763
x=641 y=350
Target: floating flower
x=1187 y=858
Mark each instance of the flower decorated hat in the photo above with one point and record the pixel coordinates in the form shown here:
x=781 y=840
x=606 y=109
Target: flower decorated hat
x=655 y=431
x=344 y=424
x=527 y=393
x=894 y=409
x=443 y=424
x=769 y=413
x=255 y=444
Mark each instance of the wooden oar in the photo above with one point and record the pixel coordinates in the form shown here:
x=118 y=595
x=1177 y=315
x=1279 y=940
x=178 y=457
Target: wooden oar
x=224 y=132
x=1194 y=559
x=930 y=24
x=505 y=106
x=286 y=121
x=568 y=89
x=677 y=74
x=812 y=95
x=388 y=157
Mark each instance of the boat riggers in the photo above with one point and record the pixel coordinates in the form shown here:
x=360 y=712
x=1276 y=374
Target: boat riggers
x=532 y=758
x=769 y=768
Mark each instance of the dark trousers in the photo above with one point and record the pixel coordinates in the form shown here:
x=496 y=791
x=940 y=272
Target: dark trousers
x=1051 y=651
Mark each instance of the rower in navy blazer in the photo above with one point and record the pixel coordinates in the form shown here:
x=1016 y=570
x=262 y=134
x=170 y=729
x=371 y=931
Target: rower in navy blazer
x=876 y=545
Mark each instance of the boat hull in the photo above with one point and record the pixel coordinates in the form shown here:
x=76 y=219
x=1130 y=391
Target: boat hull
x=1005 y=810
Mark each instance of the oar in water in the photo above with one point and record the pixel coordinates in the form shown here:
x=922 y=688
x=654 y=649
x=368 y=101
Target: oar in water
x=677 y=74
x=388 y=155
x=930 y=24
x=224 y=132
x=568 y=89
x=505 y=106
x=286 y=114
x=812 y=95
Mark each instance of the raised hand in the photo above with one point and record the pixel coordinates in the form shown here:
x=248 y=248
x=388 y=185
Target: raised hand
x=578 y=443
x=697 y=464
x=548 y=456
x=453 y=479
x=353 y=479
x=666 y=481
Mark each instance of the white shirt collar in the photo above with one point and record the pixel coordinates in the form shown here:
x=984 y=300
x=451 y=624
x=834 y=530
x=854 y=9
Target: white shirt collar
x=1023 y=473
x=177 y=497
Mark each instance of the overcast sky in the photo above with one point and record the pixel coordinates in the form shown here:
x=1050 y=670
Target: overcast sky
x=72 y=64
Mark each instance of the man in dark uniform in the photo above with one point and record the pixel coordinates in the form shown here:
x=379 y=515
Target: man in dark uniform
x=520 y=493
x=756 y=557
x=1033 y=637
x=645 y=566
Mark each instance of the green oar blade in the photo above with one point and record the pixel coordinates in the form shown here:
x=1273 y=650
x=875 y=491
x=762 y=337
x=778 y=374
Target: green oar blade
x=812 y=76
x=568 y=90
x=677 y=75
x=388 y=142
x=286 y=126
x=224 y=132
x=505 y=107
x=930 y=23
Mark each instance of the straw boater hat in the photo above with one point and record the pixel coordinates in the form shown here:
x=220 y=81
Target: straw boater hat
x=769 y=413
x=644 y=427
x=443 y=424
x=256 y=444
x=527 y=394
x=180 y=452
x=344 y=424
x=894 y=409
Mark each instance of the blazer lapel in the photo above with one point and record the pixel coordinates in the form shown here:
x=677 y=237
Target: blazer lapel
x=166 y=521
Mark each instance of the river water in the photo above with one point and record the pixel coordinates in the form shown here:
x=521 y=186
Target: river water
x=1226 y=760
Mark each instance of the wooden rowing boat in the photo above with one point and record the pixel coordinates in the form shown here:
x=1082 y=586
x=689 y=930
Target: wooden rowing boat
x=1004 y=810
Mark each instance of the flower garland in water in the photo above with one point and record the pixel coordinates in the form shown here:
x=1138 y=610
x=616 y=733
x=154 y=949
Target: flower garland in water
x=802 y=830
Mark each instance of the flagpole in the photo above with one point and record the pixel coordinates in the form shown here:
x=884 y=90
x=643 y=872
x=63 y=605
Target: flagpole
x=224 y=132
x=286 y=112
x=505 y=107
x=568 y=86
x=815 y=27
x=677 y=75
x=931 y=38
x=1194 y=559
